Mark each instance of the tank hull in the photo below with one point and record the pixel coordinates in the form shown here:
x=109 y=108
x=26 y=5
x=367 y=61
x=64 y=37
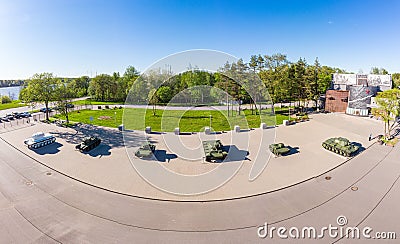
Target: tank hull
x=39 y=140
x=88 y=144
x=340 y=146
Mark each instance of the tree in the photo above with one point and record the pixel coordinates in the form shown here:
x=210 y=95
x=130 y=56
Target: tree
x=164 y=93
x=396 y=80
x=79 y=86
x=153 y=99
x=41 y=88
x=378 y=71
x=63 y=96
x=388 y=109
x=101 y=87
x=126 y=83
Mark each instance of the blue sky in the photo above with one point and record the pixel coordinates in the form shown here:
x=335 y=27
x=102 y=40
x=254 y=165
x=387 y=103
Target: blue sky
x=82 y=37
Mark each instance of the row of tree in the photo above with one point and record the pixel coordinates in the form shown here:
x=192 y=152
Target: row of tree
x=240 y=82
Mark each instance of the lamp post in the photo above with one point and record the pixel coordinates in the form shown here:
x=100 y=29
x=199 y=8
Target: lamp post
x=210 y=120
x=115 y=118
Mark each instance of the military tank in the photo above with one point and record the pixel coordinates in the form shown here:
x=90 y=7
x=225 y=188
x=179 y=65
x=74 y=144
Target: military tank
x=279 y=149
x=146 y=150
x=39 y=139
x=88 y=144
x=213 y=150
x=340 y=146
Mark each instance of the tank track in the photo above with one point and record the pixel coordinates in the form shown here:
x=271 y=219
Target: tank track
x=43 y=143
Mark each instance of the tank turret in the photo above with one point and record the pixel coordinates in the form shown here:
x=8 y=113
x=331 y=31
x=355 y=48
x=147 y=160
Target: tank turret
x=88 y=144
x=213 y=150
x=340 y=146
x=146 y=150
x=39 y=139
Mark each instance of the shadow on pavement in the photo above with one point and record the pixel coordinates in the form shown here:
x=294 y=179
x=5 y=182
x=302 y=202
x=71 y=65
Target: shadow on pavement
x=101 y=150
x=49 y=149
x=361 y=148
x=110 y=137
x=293 y=150
x=234 y=154
x=163 y=156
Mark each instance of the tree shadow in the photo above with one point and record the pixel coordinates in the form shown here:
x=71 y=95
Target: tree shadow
x=49 y=149
x=112 y=138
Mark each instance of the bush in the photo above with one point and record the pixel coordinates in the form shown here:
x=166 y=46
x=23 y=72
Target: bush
x=5 y=99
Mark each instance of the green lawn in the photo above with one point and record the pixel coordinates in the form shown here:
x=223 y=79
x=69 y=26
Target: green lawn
x=93 y=102
x=167 y=120
x=13 y=104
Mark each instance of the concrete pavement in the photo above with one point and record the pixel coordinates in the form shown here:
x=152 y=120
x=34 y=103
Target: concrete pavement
x=40 y=205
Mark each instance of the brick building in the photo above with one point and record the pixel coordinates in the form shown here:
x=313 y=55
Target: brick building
x=336 y=100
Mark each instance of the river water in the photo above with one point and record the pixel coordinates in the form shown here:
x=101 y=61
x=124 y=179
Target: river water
x=12 y=92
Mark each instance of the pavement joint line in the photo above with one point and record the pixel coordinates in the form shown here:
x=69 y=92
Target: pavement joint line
x=193 y=231
x=204 y=231
x=373 y=209
x=188 y=201
x=30 y=222
x=333 y=197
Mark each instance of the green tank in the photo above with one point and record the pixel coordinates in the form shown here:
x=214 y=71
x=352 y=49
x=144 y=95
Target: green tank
x=340 y=146
x=279 y=149
x=88 y=144
x=146 y=150
x=213 y=150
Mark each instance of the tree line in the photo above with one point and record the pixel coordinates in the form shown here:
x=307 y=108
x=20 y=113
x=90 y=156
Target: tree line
x=284 y=80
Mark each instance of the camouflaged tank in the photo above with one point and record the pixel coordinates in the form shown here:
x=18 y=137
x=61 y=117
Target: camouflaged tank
x=88 y=144
x=146 y=150
x=340 y=146
x=213 y=150
x=279 y=149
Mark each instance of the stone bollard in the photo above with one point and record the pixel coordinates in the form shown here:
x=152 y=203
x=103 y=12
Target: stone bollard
x=177 y=131
x=148 y=130
x=285 y=122
x=263 y=126
x=237 y=129
x=207 y=130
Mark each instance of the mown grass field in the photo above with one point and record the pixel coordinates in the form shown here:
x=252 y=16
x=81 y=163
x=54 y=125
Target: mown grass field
x=93 y=102
x=13 y=104
x=168 y=120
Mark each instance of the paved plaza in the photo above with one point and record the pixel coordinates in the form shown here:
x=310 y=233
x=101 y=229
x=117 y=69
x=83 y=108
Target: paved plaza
x=40 y=205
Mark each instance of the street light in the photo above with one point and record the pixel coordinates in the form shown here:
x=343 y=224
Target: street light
x=210 y=120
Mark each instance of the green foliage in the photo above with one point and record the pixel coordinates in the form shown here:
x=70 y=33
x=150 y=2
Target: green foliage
x=388 y=109
x=396 y=80
x=5 y=99
x=40 y=88
x=164 y=93
x=79 y=86
x=379 y=71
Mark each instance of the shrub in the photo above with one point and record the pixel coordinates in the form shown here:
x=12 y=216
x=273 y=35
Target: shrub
x=5 y=99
